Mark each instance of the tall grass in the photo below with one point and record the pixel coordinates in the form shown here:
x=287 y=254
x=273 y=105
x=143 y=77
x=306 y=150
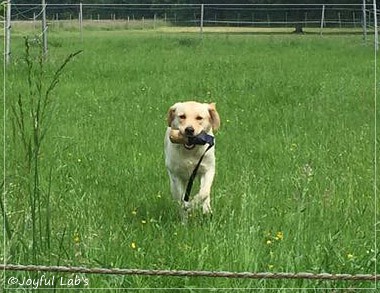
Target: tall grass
x=31 y=116
x=294 y=184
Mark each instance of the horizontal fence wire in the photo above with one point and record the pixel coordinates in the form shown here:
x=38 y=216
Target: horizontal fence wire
x=189 y=273
x=235 y=15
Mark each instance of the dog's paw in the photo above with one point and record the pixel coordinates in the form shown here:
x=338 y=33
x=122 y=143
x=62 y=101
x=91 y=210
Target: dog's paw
x=186 y=206
x=206 y=208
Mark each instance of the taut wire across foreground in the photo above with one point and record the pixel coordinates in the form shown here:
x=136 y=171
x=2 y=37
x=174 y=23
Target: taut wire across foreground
x=189 y=273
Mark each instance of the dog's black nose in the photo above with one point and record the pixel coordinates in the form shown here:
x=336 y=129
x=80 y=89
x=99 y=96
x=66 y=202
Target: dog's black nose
x=189 y=131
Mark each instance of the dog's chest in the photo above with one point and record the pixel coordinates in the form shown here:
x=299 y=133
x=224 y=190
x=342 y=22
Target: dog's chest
x=184 y=165
x=189 y=164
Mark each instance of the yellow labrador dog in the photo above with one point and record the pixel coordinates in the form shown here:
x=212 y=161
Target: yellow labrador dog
x=190 y=119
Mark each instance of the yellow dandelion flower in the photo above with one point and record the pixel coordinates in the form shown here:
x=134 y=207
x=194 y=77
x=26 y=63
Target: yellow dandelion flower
x=269 y=242
x=279 y=235
x=143 y=222
x=76 y=238
x=270 y=266
x=134 y=212
x=350 y=256
x=133 y=245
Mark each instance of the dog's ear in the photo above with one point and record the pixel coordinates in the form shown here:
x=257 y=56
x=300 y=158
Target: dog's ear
x=214 y=116
x=170 y=115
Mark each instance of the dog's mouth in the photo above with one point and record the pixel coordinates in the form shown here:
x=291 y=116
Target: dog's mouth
x=200 y=139
x=190 y=142
x=189 y=146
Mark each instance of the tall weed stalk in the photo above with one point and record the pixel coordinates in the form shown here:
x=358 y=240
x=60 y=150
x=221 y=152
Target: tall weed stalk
x=32 y=118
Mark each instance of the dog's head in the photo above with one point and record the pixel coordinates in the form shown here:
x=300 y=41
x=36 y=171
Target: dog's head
x=192 y=118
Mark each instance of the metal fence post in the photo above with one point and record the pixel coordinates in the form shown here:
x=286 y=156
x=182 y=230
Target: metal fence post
x=375 y=25
x=322 y=18
x=8 y=33
x=364 y=22
x=340 y=20
x=202 y=15
x=81 y=20
x=44 y=30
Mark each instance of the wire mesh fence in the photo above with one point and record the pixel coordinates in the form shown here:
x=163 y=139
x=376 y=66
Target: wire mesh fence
x=194 y=15
x=252 y=18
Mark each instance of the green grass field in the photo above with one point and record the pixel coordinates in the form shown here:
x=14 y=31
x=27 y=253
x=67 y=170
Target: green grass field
x=294 y=189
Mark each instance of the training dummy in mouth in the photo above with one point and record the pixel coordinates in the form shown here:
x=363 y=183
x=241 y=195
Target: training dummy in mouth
x=201 y=139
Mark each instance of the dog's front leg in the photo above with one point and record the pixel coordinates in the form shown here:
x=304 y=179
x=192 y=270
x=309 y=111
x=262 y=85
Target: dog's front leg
x=203 y=196
x=178 y=186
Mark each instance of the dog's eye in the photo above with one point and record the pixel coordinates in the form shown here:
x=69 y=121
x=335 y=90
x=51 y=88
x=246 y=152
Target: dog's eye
x=199 y=118
x=182 y=116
